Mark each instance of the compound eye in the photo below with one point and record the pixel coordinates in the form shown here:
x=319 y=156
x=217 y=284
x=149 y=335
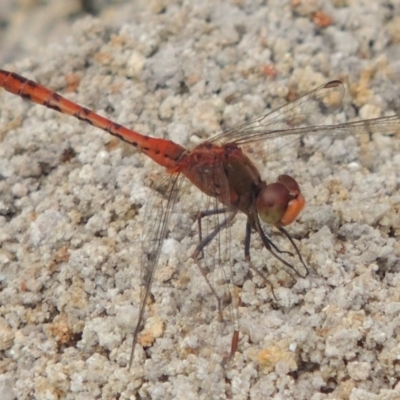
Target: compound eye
x=280 y=203
x=272 y=203
x=291 y=185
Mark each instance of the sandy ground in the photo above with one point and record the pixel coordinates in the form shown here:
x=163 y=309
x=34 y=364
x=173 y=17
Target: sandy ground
x=72 y=205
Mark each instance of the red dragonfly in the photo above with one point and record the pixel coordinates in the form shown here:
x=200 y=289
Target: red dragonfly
x=220 y=168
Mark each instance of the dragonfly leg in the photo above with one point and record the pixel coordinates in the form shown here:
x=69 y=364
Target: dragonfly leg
x=286 y=233
x=271 y=244
x=204 y=242
x=199 y=217
x=274 y=250
x=247 y=258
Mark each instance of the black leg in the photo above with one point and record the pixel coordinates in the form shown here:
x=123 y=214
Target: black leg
x=273 y=249
x=247 y=258
x=200 y=216
x=286 y=233
x=204 y=242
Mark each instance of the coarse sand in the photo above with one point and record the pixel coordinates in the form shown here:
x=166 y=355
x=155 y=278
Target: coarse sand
x=72 y=205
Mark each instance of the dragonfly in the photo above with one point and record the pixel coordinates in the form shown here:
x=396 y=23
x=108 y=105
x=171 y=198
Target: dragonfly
x=221 y=169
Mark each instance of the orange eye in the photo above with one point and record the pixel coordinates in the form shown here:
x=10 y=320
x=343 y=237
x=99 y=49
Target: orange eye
x=297 y=201
x=293 y=210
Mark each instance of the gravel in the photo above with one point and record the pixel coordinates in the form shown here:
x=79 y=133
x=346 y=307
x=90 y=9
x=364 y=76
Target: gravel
x=72 y=205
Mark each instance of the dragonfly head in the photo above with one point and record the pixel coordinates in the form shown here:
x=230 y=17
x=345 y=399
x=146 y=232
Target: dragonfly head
x=280 y=203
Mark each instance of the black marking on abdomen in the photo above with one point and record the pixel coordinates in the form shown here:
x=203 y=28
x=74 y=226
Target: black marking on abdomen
x=17 y=77
x=53 y=101
x=123 y=139
x=85 y=111
x=53 y=107
x=83 y=114
x=116 y=126
x=31 y=84
x=56 y=97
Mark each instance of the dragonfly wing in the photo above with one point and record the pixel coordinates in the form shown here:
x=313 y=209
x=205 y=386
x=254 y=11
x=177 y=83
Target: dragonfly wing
x=384 y=125
x=307 y=111
x=157 y=215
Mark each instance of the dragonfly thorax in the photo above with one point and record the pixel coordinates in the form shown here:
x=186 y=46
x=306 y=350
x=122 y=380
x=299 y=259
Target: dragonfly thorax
x=226 y=173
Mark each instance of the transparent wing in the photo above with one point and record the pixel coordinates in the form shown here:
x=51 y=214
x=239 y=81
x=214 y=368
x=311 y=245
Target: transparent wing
x=157 y=215
x=307 y=111
x=303 y=116
x=384 y=125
